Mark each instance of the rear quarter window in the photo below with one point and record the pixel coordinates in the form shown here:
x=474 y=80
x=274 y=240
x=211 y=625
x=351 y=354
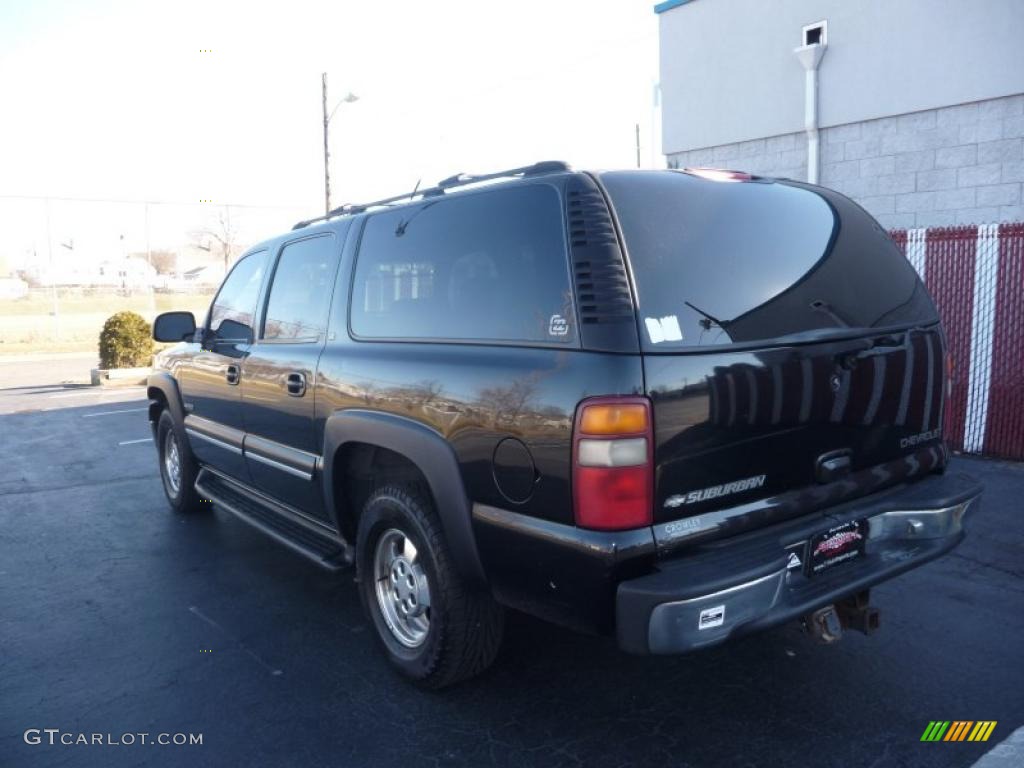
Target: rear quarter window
x=725 y=262
x=490 y=265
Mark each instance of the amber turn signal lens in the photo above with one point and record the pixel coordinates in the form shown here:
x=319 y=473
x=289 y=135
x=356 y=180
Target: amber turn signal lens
x=622 y=419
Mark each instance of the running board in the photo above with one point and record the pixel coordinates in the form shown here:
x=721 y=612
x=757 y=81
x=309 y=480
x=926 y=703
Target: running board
x=307 y=538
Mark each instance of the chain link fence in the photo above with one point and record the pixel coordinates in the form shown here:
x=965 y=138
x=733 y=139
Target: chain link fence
x=66 y=265
x=976 y=276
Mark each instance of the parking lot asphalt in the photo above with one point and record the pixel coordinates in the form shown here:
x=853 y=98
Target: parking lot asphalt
x=116 y=616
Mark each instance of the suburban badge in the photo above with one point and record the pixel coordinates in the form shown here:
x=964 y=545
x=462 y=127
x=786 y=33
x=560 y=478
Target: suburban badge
x=737 y=486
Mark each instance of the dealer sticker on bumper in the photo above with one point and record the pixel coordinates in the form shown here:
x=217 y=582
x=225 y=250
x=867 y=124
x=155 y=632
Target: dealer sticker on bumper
x=835 y=546
x=711 y=617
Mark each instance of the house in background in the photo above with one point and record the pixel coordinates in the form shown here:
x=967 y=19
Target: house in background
x=918 y=112
x=125 y=275
x=12 y=288
x=208 y=276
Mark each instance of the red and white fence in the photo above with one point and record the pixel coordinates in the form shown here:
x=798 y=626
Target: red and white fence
x=976 y=276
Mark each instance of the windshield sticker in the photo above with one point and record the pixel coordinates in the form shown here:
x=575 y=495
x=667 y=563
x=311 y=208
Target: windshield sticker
x=558 y=326
x=663 y=329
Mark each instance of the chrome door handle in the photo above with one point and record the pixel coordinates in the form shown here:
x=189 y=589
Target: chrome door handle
x=296 y=384
x=233 y=374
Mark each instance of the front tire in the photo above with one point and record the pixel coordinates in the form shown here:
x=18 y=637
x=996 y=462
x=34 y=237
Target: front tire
x=178 y=467
x=435 y=628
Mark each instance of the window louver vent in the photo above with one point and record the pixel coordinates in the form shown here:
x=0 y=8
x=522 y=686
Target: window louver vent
x=602 y=287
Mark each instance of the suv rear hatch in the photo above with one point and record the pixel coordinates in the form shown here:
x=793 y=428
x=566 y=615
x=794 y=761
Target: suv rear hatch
x=793 y=358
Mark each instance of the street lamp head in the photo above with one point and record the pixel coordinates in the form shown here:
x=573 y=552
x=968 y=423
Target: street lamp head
x=347 y=99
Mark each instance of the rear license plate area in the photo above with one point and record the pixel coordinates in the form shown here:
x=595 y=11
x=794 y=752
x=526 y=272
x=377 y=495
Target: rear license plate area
x=836 y=546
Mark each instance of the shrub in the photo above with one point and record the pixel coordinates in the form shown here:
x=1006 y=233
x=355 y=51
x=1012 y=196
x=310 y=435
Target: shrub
x=125 y=342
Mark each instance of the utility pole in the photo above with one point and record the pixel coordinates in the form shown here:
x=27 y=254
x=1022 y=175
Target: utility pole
x=229 y=232
x=348 y=99
x=149 y=251
x=637 y=145
x=327 y=172
x=53 y=275
x=149 y=261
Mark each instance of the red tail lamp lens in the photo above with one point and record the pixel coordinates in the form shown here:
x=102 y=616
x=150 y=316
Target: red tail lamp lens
x=613 y=474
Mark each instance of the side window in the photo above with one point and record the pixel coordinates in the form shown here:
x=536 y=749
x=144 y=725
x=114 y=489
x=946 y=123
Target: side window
x=486 y=266
x=301 y=290
x=231 y=316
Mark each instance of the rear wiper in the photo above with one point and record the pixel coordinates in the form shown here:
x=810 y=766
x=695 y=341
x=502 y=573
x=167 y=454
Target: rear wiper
x=869 y=338
x=707 y=319
x=819 y=334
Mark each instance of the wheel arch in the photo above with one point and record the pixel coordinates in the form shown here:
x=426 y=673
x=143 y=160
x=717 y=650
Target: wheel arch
x=163 y=393
x=427 y=451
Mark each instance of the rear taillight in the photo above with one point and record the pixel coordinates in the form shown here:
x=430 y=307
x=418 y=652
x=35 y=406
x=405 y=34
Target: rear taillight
x=949 y=375
x=612 y=466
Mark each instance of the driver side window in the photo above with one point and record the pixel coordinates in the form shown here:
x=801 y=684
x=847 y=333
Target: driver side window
x=232 y=313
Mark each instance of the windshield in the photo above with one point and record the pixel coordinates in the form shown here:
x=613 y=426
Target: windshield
x=721 y=262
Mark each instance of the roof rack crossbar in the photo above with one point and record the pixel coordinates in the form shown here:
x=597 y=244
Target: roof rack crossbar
x=452 y=182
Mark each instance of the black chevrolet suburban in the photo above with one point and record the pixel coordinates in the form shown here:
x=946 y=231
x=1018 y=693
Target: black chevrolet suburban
x=673 y=406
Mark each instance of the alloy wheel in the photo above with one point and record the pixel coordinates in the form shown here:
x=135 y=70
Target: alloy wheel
x=402 y=588
x=172 y=463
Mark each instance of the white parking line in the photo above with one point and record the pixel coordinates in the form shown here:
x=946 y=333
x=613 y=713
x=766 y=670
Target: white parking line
x=93 y=392
x=71 y=394
x=133 y=442
x=111 y=413
x=200 y=615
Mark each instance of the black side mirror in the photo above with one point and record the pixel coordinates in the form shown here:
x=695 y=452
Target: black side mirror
x=234 y=332
x=174 y=326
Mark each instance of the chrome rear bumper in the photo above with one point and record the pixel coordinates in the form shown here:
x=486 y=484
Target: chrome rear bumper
x=669 y=612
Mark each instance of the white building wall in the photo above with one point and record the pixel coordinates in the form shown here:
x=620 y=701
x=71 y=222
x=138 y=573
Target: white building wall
x=728 y=72
x=956 y=165
x=921 y=102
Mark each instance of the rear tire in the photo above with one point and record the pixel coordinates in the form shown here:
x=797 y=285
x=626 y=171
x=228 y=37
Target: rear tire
x=178 y=467
x=436 y=630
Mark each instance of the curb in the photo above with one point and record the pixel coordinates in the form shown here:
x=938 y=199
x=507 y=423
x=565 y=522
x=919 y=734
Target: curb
x=119 y=377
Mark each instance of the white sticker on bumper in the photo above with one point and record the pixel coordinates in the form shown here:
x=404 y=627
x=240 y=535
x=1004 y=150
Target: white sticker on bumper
x=711 y=617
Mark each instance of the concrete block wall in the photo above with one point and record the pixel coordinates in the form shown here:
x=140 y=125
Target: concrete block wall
x=962 y=164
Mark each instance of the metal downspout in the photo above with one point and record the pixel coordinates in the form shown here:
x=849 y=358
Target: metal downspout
x=810 y=57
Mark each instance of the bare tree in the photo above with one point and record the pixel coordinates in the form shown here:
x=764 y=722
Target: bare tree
x=164 y=262
x=218 y=233
x=425 y=392
x=507 y=403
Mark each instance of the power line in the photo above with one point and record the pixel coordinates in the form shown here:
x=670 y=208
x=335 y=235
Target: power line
x=150 y=202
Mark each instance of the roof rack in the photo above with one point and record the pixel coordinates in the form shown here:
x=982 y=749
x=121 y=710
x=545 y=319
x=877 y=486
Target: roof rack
x=452 y=182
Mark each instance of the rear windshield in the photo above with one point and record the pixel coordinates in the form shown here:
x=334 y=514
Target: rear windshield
x=724 y=262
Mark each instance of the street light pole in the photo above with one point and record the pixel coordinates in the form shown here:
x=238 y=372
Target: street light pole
x=53 y=276
x=327 y=171
x=348 y=99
